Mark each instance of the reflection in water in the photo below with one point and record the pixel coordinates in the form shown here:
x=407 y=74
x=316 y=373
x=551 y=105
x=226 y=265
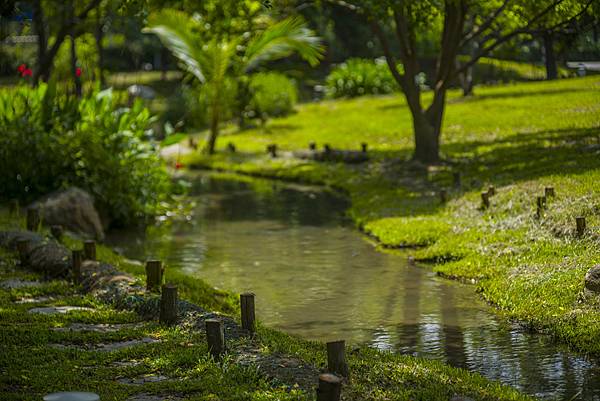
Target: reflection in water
x=318 y=278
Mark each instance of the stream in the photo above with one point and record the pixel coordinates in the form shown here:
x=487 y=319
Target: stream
x=316 y=276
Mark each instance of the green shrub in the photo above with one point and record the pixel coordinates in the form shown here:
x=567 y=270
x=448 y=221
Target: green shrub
x=357 y=77
x=49 y=141
x=272 y=95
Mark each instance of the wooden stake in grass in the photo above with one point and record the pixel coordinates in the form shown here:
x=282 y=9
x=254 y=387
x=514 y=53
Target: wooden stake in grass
x=14 y=207
x=549 y=192
x=336 y=358
x=248 y=312
x=168 y=305
x=23 y=249
x=231 y=147
x=491 y=190
x=89 y=250
x=154 y=275
x=33 y=219
x=77 y=259
x=215 y=336
x=443 y=196
x=485 y=200
x=57 y=232
x=363 y=147
x=541 y=206
x=272 y=150
x=330 y=387
x=457 y=179
x=312 y=146
x=327 y=148
x=580 y=222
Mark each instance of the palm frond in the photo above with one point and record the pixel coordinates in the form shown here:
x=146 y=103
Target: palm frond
x=281 y=40
x=176 y=31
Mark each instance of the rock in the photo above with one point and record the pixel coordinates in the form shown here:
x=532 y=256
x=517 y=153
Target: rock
x=9 y=239
x=73 y=209
x=50 y=258
x=141 y=91
x=18 y=283
x=51 y=310
x=592 y=279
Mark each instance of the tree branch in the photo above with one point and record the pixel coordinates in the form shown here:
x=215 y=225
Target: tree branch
x=477 y=30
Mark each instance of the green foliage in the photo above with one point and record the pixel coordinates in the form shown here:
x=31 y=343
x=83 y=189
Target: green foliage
x=49 y=141
x=217 y=63
x=358 y=77
x=273 y=95
x=87 y=59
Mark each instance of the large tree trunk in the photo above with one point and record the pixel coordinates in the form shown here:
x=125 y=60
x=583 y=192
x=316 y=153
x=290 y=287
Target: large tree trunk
x=40 y=30
x=550 y=57
x=427 y=140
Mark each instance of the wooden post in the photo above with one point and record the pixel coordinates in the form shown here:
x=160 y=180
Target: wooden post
x=541 y=205
x=580 y=221
x=14 y=207
x=231 y=147
x=312 y=146
x=363 y=147
x=330 y=387
x=154 y=275
x=215 y=336
x=89 y=250
x=457 y=179
x=327 y=148
x=248 y=313
x=272 y=150
x=443 y=196
x=57 y=232
x=33 y=219
x=491 y=190
x=77 y=259
x=23 y=249
x=485 y=200
x=336 y=358
x=168 y=304
x=549 y=192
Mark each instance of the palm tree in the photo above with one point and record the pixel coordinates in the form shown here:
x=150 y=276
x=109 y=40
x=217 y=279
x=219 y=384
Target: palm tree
x=214 y=61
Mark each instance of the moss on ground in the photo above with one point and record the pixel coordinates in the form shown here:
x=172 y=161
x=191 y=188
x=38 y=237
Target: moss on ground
x=519 y=138
x=31 y=367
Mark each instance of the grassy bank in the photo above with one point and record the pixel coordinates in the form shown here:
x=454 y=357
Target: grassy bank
x=31 y=366
x=519 y=138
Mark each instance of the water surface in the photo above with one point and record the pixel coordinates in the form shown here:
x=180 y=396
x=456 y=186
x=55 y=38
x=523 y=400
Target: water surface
x=315 y=276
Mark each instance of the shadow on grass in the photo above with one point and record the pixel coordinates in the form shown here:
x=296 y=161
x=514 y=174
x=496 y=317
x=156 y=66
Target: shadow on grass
x=519 y=94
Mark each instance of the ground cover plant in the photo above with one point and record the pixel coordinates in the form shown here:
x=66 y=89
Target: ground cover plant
x=518 y=138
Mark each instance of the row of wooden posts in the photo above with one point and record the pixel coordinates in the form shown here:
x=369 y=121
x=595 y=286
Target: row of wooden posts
x=541 y=202
x=330 y=384
x=272 y=148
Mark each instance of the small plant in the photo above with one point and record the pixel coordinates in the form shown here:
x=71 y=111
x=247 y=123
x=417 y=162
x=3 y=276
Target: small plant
x=273 y=95
x=358 y=77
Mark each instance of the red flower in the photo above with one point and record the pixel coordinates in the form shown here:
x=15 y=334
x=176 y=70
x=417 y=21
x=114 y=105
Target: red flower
x=178 y=165
x=21 y=68
x=78 y=72
x=26 y=72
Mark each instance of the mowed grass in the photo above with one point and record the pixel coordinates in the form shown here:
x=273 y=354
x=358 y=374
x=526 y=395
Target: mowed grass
x=519 y=138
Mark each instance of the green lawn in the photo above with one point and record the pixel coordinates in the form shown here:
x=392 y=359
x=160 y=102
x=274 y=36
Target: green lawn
x=519 y=138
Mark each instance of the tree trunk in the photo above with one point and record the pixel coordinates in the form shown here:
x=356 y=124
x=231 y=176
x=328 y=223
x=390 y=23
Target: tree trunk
x=427 y=140
x=40 y=30
x=214 y=133
x=100 y=48
x=76 y=79
x=550 y=57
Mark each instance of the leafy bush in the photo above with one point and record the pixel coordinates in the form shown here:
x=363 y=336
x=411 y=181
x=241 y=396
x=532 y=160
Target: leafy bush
x=272 y=95
x=49 y=141
x=87 y=59
x=357 y=77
